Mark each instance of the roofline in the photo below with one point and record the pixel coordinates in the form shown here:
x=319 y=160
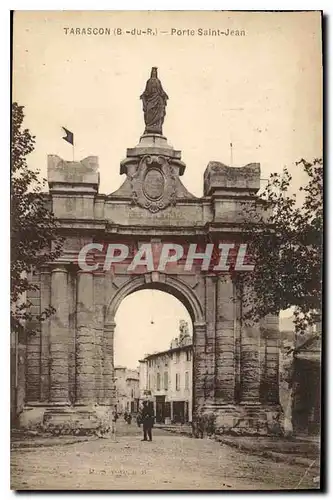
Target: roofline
x=174 y=349
x=298 y=350
x=307 y=342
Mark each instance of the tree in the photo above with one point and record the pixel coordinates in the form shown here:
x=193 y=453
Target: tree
x=285 y=242
x=34 y=238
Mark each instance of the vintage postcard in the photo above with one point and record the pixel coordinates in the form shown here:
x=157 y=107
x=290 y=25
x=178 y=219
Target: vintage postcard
x=166 y=250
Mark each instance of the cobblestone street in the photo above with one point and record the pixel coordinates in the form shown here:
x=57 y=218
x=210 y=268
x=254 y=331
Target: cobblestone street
x=170 y=462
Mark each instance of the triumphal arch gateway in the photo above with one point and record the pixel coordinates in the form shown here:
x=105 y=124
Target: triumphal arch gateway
x=69 y=367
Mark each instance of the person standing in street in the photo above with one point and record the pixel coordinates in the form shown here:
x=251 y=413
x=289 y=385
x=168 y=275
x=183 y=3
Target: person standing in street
x=114 y=418
x=147 y=417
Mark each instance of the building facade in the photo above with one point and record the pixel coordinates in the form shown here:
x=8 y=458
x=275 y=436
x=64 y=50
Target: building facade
x=166 y=377
x=127 y=392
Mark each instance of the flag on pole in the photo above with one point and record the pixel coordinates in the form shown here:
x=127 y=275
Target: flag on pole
x=69 y=136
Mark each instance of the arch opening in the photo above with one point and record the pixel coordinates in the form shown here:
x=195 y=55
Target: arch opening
x=153 y=353
x=170 y=285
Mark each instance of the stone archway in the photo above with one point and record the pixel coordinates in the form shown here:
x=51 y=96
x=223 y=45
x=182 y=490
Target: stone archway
x=70 y=360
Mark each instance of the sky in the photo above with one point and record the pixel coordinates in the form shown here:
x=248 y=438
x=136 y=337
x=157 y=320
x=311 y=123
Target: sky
x=152 y=330
x=261 y=92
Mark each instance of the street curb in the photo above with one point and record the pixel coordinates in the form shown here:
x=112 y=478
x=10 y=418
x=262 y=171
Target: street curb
x=274 y=455
x=30 y=444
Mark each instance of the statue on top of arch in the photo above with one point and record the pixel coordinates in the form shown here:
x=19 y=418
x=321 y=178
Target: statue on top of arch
x=154 y=101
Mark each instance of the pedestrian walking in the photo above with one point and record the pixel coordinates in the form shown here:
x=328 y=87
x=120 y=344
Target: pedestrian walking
x=114 y=418
x=147 y=417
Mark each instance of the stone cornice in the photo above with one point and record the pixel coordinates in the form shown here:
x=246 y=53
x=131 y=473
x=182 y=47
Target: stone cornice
x=104 y=226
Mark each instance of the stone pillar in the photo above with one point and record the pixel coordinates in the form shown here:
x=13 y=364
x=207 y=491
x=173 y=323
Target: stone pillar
x=238 y=334
x=199 y=367
x=99 y=301
x=225 y=342
x=85 y=339
x=108 y=365
x=59 y=332
x=72 y=335
x=210 y=335
x=250 y=361
x=45 y=300
x=269 y=360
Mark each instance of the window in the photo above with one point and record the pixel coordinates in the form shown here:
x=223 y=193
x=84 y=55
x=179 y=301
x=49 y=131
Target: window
x=149 y=382
x=177 y=381
x=177 y=357
x=158 y=382
x=187 y=381
x=166 y=381
x=188 y=355
x=132 y=393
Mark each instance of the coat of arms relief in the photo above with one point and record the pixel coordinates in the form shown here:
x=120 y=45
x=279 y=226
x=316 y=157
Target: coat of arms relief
x=154 y=183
